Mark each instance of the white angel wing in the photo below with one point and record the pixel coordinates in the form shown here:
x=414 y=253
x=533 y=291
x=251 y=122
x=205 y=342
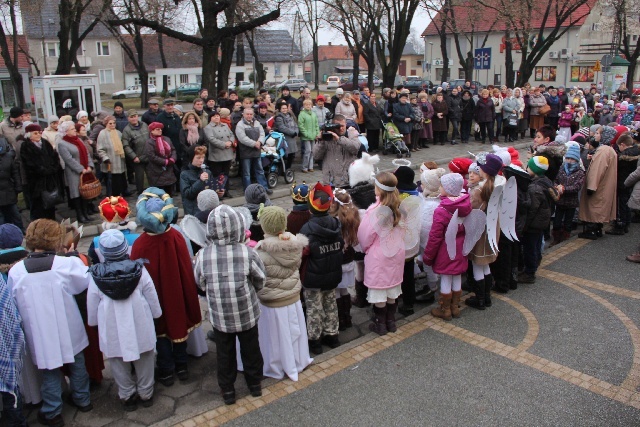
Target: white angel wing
x=493 y=210
x=194 y=230
x=391 y=238
x=411 y=222
x=508 y=209
x=474 y=224
x=450 y=236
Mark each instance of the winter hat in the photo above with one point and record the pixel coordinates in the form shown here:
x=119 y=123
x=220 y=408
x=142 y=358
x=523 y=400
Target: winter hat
x=405 y=176
x=538 y=165
x=491 y=165
x=362 y=170
x=619 y=131
x=155 y=216
x=598 y=104
x=515 y=156
x=460 y=165
x=118 y=104
x=474 y=168
x=273 y=220
x=578 y=138
x=584 y=131
x=44 y=234
x=10 y=236
x=573 y=151
x=81 y=114
x=16 y=112
x=300 y=193
x=630 y=108
x=339 y=91
x=320 y=198
x=32 y=128
x=256 y=194
x=155 y=125
x=593 y=129
x=503 y=153
x=430 y=180
x=452 y=183
x=208 y=200
x=113 y=245
x=428 y=165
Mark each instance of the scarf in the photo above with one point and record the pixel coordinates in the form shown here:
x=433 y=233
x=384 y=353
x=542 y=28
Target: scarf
x=192 y=134
x=117 y=142
x=82 y=150
x=570 y=168
x=162 y=147
x=11 y=342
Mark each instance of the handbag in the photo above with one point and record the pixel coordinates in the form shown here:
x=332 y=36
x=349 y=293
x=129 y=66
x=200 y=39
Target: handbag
x=513 y=120
x=89 y=186
x=50 y=198
x=544 y=110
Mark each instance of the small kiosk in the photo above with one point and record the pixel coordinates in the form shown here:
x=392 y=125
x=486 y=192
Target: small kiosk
x=66 y=94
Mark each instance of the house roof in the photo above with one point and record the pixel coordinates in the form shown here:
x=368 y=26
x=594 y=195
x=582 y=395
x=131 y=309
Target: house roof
x=45 y=22
x=272 y=46
x=23 y=63
x=335 y=52
x=408 y=50
x=483 y=22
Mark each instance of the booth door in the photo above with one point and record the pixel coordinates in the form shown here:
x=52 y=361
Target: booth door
x=88 y=99
x=66 y=101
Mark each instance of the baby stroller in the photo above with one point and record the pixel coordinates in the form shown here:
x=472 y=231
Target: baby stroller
x=274 y=150
x=392 y=141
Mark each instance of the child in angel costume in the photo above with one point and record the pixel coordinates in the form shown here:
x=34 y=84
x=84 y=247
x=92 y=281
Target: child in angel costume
x=382 y=235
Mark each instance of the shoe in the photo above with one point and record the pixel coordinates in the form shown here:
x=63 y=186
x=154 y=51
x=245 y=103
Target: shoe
x=305 y=171
x=331 y=341
x=229 y=397
x=391 y=317
x=269 y=191
x=379 y=324
x=165 y=378
x=618 y=230
x=634 y=257
x=130 y=404
x=182 y=372
x=147 y=403
x=347 y=310
x=488 y=285
x=86 y=408
x=255 y=390
x=427 y=297
x=527 y=278
x=442 y=143
x=599 y=230
x=477 y=301
x=588 y=232
x=360 y=300
x=444 y=311
x=211 y=336
x=455 y=303
x=406 y=310
x=558 y=237
x=56 y=421
x=315 y=347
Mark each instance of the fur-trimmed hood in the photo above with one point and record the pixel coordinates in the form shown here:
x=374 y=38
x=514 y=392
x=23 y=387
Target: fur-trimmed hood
x=186 y=117
x=286 y=249
x=553 y=149
x=631 y=154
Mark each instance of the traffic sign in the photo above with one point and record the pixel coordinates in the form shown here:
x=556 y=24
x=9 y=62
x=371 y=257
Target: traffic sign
x=606 y=60
x=482 y=59
x=598 y=66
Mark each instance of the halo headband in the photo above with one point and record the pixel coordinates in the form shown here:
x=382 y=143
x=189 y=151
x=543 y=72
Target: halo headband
x=384 y=187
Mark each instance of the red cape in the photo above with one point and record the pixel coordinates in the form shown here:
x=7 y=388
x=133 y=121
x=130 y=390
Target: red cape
x=172 y=273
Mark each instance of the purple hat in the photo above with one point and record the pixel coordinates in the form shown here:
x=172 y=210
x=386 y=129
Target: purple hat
x=491 y=165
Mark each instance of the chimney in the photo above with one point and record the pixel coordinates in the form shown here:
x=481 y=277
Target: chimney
x=329 y=43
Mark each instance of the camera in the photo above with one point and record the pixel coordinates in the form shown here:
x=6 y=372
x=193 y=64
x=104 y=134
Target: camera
x=330 y=127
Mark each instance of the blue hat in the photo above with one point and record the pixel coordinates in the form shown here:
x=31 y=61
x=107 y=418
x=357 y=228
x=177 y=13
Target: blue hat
x=155 y=216
x=10 y=236
x=630 y=107
x=573 y=152
x=113 y=245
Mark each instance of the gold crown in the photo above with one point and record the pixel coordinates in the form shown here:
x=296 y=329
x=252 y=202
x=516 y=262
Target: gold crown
x=297 y=195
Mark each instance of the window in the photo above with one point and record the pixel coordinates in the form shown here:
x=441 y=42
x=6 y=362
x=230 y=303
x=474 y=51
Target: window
x=106 y=76
x=461 y=74
x=80 y=51
x=136 y=81
x=184 y=78
x=595 y=26
x=419 y=63
x=53 y=49
x=152 y=81
x=103 y=48
x=277 y=70
x=199 y=78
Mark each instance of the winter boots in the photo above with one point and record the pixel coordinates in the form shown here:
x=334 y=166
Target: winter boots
x=589 y=231
x=344 y=312
x=379 y=325
x=488 y=284
x=360 y=299
x=455 y=303
x=444 y=311
x=391 y=317
x=477 y=301
x=619 y=229
x=558 y=237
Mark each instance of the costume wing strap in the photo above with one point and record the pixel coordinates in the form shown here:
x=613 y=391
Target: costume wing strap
x=508 y=209
x=493 y=211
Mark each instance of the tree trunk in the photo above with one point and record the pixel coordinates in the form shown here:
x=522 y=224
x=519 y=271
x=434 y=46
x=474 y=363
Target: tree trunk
x=526 y=70
x=163 y=59
x=210 y=68
x=64 y=59
x=356 y=69
x=445 y=57
x=631 y=71
x=316 y=64
x=227 y=47
x=259 y=76
x=508 y=60
x=14 y=73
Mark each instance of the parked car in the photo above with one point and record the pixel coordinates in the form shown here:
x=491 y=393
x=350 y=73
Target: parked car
x=185 y=90
x=476 y=87
x=134 y=91
x=348 y=84
x=243 y=85
x=415 y=84
x=292 y=84
x=333 y=82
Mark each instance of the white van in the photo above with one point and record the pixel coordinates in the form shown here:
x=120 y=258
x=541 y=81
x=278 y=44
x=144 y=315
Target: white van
x=333 y=82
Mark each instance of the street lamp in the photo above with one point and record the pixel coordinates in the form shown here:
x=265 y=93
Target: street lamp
x=430 y=60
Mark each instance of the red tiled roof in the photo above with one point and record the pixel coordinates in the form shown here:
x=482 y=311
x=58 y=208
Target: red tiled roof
x=23 y=63
x=483 y=22
x=328 y=52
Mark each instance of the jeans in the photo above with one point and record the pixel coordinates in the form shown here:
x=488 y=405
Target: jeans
x=12 y=409
x=532 y=251
x=307 y=155
x=498 y=125
x=486 y=129
x=254 y=164
x=455 y=133
x=465 y=130
x=563 y=218
x=51 y=388
x=139 y=170
x=249 y=352
x=624 y=212
x=170 y=354
x=11 y=215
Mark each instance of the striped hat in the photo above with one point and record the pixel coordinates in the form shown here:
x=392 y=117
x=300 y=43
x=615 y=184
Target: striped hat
x=113 y=245
x=538 y=165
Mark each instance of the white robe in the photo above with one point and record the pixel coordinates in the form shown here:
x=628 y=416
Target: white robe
x=125 y=326
x=52 y=323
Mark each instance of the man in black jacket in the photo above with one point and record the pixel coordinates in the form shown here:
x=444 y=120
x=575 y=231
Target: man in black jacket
x=172 y=125
x=10 y=185
x=151 y=115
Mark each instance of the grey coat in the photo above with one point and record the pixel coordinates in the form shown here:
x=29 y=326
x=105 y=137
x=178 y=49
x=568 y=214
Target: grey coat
x=633 y=180
x=72 y=169
x=134 y=141
x=286 y=124
x=336 y=156
x=509 y=106
x=216 y=136
x=106 y=152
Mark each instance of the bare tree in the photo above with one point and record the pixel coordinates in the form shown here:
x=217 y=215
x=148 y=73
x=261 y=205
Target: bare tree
x=439 y=15
x=311 y=19
x=10 y=54
x=622 y=19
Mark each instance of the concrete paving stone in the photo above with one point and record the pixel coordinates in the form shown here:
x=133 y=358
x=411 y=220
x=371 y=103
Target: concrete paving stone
x=163 y=407
x=192 y=405
x=430 y=379
x=180 y=388
x=105 y=410
x=124 y=423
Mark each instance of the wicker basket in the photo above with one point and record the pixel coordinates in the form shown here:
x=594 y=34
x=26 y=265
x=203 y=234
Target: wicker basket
x=90 y=186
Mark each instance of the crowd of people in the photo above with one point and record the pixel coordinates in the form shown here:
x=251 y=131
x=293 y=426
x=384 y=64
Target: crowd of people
x=278 y=285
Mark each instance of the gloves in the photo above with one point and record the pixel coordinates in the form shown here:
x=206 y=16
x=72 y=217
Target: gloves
x=171 y=160
x=590 y=192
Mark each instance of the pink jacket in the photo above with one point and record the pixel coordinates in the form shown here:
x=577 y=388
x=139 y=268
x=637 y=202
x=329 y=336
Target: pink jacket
x=565 y=119
x=435 y=254
x=380 y=272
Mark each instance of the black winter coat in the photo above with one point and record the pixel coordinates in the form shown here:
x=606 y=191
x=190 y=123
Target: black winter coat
x=467 y=107
x=400 y=112
x=627 y=164
x=117 y=279
x=539 y=214
x=10 y=182
x=172 y=125
x=485 y=111
x=455 y=107
x=41 y=168
x=373 y=115
x=324 y=262
x=524 y=203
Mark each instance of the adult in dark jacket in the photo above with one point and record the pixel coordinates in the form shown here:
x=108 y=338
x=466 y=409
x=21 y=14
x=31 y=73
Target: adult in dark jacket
x=161 y=156
x=286 y=97
x=195 y=178
x=192 y=133
x=285 y=123
x=134 y=141
x=485 y=115
x=402 y=117
x=455 y=114
x=439 y=119
x=151 y=115
x=10 y=185
x=373 y=117
x=42 y=168
x=627 y=164
x=120 y=115
x=172 y=124
x=467 y=108
x=556 y=107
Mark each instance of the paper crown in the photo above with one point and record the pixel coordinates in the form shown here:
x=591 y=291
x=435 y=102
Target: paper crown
x=317 y=198
x=300 y=193
x=73 y=233
x=114 y=209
